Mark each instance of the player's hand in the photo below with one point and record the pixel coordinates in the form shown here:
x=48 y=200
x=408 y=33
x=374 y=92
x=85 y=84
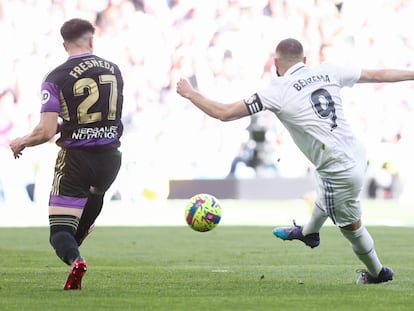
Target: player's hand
x=17 y=147
x=184 y=88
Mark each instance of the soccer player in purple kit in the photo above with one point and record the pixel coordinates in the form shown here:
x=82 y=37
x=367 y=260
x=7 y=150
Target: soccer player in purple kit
x=308 y=103
x=86 y=93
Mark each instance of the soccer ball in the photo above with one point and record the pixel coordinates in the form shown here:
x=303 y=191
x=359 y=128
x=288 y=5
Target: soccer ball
x=203 y=212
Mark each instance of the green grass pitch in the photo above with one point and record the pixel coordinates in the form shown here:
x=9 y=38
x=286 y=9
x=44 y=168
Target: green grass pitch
x=229 y=268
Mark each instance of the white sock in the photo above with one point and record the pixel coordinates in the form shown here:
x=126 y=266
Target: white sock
x=363 y=246
x=316 y=221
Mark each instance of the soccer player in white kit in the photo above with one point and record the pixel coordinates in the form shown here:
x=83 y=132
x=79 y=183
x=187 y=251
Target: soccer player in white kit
x=308 y=103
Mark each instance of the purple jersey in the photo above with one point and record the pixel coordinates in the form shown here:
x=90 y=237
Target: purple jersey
x=86 y=91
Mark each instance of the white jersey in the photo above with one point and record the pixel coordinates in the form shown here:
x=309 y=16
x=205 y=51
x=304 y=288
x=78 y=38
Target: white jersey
x=308 y=103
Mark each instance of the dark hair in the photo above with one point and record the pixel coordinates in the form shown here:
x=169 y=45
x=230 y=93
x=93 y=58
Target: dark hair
x=76 y=28
x=290 y=49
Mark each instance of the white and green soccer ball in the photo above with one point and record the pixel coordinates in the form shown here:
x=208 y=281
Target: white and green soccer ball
x=203 y=212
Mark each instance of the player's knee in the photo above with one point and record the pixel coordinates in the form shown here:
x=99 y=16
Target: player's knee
x=352 y=227
x=95 y=191
x=67 y=223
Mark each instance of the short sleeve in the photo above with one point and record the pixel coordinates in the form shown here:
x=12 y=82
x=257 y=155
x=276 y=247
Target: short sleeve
x=50 y=97
x=346 y=75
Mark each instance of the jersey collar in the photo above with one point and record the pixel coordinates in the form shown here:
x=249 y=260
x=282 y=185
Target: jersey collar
x=79 y=55
x=295 y=68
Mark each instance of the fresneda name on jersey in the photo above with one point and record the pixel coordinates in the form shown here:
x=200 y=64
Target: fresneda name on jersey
x=82 y=67
x=301 y=83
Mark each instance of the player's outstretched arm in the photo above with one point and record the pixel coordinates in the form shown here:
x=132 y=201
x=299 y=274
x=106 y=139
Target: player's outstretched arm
x=221 y=111
x=385 y=75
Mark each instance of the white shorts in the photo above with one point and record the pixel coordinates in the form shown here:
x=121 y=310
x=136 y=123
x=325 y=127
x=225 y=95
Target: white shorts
x=338 y=194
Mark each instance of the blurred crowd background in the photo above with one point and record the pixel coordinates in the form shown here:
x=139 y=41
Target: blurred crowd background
x=225 y=47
